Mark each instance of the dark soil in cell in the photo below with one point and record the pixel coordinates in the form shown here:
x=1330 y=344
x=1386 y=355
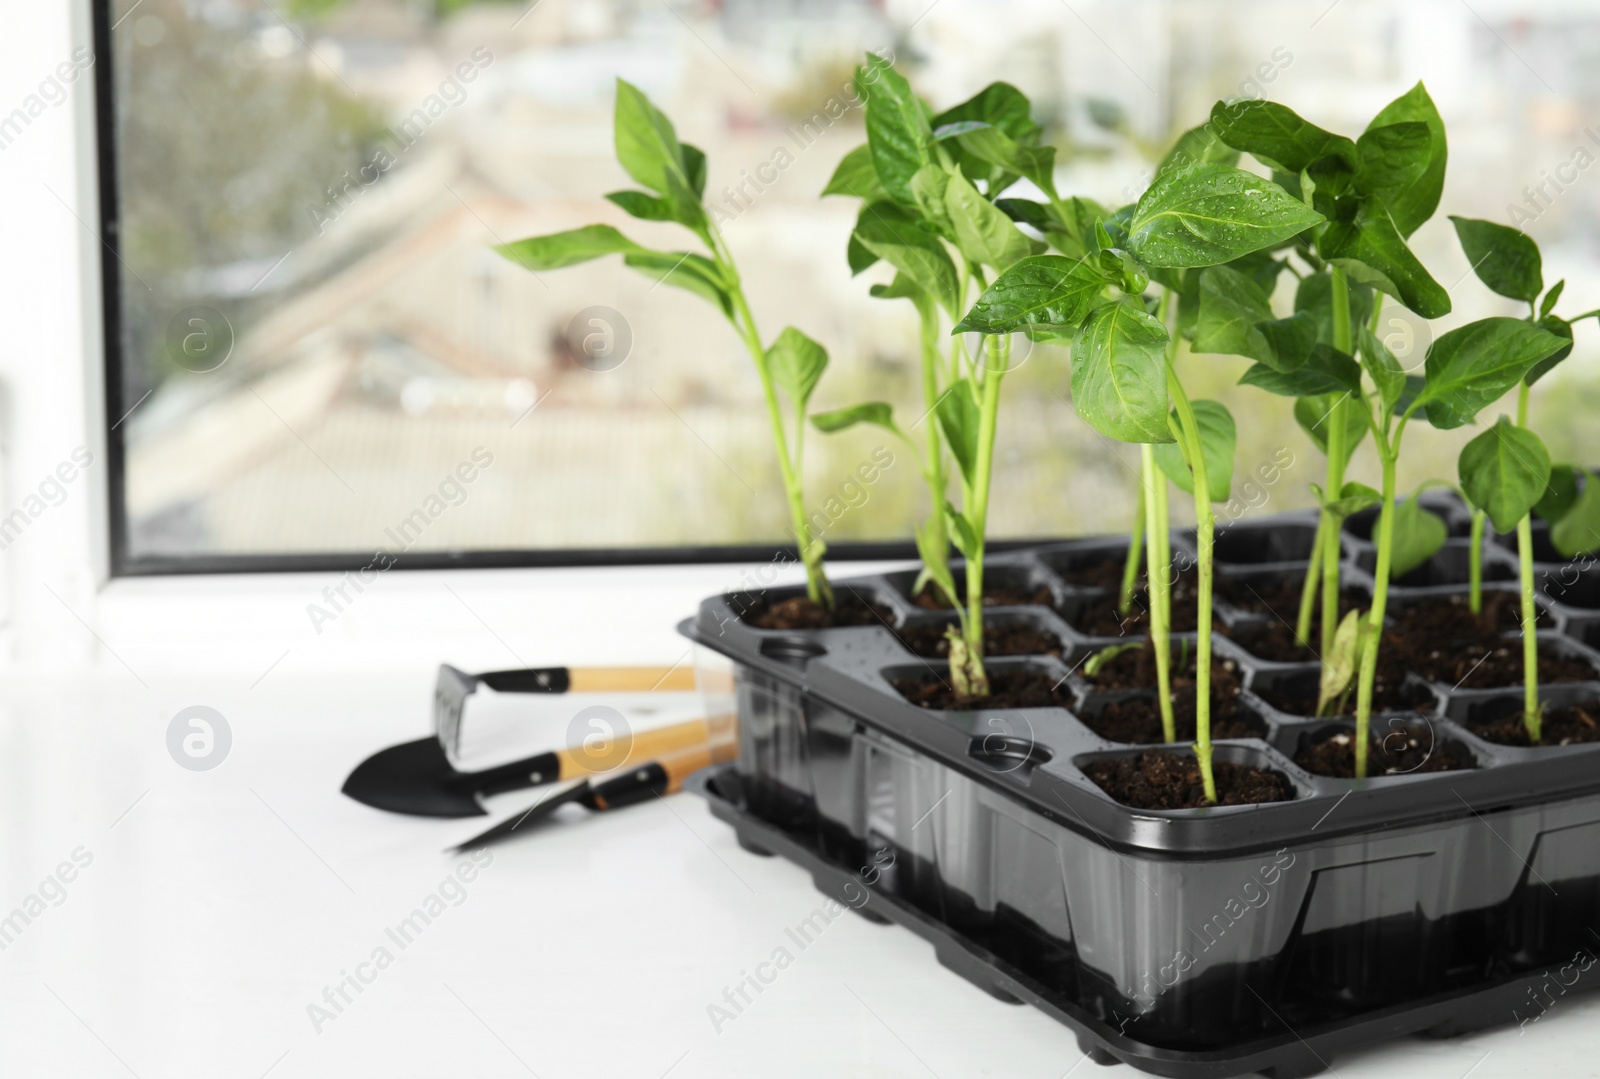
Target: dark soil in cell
x=1135 y=668
x=798 y=612
x=1137 y=720
x=1562 y=726
x=1280 y=596
x=1157 y=780
x=1002 y=639
x=1450 y=618
x=1008 y=688
x=1272 y=641
x=1487 y=665
x=1106 y=573
x=1389 y=692
x=1397 y=748
x=932 y=598
x=1100 y=618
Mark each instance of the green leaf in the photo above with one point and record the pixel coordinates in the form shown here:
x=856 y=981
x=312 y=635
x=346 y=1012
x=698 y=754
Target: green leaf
x=1035 y=215
x=897 y=128
x=1119 y=384
x=932 y=548
x=1077 y=239
x=1418 y=536
x=1261 y=267
x=1274 y=135
x=648 y=149
x=858 y=255
x=957 y=412
x=1208 y=214
x=1195 y=146
x=796 y=363
x=1340 y=664
x=1372 y=251
x=1097 y=662
x=1504 y=471
x=694 y=167
x=1000 y=154
x=1217 y=438
x=560 y=249
x=856 y=176
x=1231 y=306
x=1326 y=371
x=983 y=233
x=1315 y=416
x=1414 y=203
x=1578 y=531
x=696 y=273
x=642 y=205
x=1504 y=258
x=927 y=195
x=1560 y=492
x=1353 y=498
x=962 y=534
x=1561 y=328
x=894 y=235
x=1000 y=105
x=1381 y=366
x=1548 y=304
x=873 y=413
x=1039 y=291
x=1290 y=341
x=1474 y=365
x=1394 y=159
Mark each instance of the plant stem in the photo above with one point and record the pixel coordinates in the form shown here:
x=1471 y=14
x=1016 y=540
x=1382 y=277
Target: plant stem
x=1340 y=301
x=1130 y=567
x=1475 y=564
x=1205 y=536
x=933 y=460
x=1380 y=601
x=1532 y=714
x=1308 y=590
x=817 y=588
x=1158 y=580
x=977 y=509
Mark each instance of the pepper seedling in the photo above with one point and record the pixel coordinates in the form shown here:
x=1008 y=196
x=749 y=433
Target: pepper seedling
x=1506 y=473
x=1374 y=191
x=1125 y=382
x=929 y=188
x=649 y=150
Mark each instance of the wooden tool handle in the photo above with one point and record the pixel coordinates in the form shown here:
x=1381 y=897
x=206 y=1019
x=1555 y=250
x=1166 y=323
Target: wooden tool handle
x=662 y=776
x=630 y=679
x=653 y=744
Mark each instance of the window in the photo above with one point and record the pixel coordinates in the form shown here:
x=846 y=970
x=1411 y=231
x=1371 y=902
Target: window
x=316 y=356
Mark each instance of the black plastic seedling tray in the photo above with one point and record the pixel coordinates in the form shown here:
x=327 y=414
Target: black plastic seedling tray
x=1208 y=942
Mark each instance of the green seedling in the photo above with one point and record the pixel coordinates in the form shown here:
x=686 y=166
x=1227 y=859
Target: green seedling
x=1125 y=382
x=674 y=172
x=930 y=187
x=1506 y=473
x=1097 y=662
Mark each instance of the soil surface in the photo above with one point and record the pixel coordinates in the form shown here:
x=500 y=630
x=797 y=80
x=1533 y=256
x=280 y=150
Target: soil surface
x=1273 y=641
x=1136 y=669
x=1280 y=596
x=1157 y=780
x=1396 y=749
x=999 y=639
x=1106 y=573
x=798 y=612
x=1389 y=692
x=1450 y=618
x=1562 y=726
x=1100 y=617
x=1137 y=720
x=932 y=598
x=1488 y=665
x=1008 y=688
